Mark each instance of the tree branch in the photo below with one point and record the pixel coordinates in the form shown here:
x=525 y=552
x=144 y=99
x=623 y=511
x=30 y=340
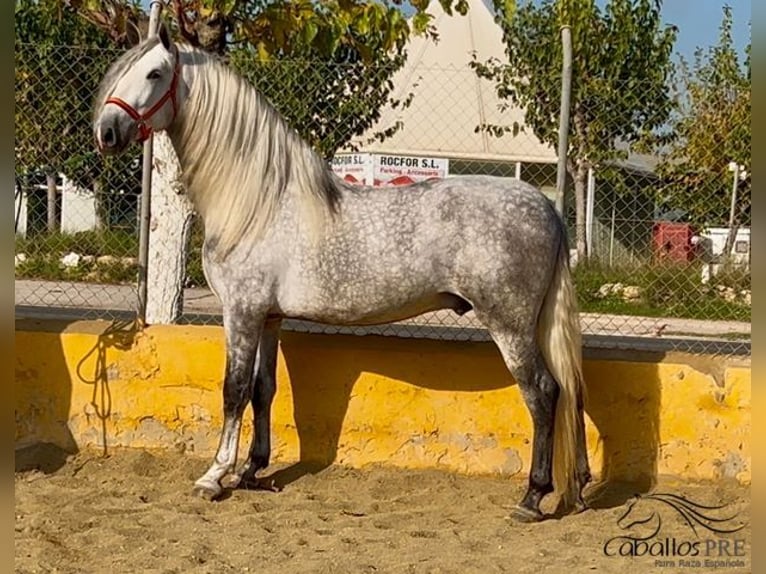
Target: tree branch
x=187 y=30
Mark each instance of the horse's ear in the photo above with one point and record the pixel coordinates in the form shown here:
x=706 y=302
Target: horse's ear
x=133 y=33
x=164 y=35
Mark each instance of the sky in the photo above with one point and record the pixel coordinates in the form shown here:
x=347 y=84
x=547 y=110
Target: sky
x=697 y=22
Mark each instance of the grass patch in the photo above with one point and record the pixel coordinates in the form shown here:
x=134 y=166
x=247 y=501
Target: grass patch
x=108 y=242
x=50 y=268
x=43 y=254
x=667 y=290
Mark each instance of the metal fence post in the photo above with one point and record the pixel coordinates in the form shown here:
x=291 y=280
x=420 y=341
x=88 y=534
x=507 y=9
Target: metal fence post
x=566 y=92
x=155 y=9
x=734 y=167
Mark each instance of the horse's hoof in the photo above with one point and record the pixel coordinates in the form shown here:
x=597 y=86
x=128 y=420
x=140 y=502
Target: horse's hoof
x=580 y=506
x=268 y=484
x=207 y=491
x=522 y=514
x=231 y=481
x=249 y=481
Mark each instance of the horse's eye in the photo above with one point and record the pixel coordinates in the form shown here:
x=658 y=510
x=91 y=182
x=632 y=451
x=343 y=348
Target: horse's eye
x=154 y=75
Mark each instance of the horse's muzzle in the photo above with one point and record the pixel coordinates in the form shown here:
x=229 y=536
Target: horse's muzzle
x=112 y=135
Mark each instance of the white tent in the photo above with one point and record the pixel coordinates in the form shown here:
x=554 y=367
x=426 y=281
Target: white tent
x=450 y=100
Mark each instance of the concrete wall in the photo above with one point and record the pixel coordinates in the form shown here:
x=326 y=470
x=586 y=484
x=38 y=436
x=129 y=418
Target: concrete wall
x=360 y=400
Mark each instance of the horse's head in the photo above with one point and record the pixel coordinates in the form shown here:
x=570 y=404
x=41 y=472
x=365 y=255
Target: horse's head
x=637 y=513
x=139 y=94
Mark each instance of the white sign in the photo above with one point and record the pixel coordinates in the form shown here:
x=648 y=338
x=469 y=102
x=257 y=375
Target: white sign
x=403 y=170
x=353 y=167
x=383 y=169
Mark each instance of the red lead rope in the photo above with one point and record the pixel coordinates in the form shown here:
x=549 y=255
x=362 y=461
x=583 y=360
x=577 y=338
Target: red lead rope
x=144 y=131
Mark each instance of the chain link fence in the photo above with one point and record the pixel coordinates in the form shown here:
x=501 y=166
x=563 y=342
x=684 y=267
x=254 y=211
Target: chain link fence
x=75 y=215
x=660 y=243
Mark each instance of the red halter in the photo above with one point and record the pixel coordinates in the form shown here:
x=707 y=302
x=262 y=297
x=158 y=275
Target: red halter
x=144 y=130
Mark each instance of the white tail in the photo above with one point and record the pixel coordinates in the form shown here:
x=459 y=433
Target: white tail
x=560 y=340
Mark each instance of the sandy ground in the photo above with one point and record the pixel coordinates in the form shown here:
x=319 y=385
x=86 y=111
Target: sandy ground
x=132 y=512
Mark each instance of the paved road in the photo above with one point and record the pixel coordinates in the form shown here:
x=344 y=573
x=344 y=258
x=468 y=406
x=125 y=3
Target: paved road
x=49 y=298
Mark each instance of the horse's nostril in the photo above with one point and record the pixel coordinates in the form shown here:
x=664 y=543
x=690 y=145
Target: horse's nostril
x=109 y=137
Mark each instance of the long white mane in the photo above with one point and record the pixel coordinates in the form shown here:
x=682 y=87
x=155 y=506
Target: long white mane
x=239 y=157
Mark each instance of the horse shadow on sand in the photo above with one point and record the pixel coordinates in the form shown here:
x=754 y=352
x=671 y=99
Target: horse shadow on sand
x=323 y=385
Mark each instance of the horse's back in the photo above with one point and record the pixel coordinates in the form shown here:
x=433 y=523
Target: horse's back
x=474 y=194
x=490 y=213
x=466 y=199
x=438 y=229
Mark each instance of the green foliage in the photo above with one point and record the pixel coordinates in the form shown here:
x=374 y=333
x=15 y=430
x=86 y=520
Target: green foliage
x=195 y=275
x=120 y=20
x=327 y=67
x=620 y=66
x=46 y=95
x=328 y=102
x=668 y=290
x=710 y=129
x=286 y=28
x=621 y=61
x=43 y=257
x=59 y=60
x=281 y=28
x=50 y=269
x=108 y=242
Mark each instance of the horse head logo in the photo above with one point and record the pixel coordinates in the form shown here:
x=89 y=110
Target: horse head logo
x=642 y=517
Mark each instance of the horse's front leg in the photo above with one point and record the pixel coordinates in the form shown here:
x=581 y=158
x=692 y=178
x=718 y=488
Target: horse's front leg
x=243 y=332
x=265 y=386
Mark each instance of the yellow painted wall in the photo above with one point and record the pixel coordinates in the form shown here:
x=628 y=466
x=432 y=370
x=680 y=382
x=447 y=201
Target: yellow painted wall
x=360 y=400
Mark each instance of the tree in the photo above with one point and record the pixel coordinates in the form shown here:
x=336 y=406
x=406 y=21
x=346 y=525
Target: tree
x=326 y=66
x=59 y=58
x=621 y=63
x=274 y=27
x=327 y=101
x=709 y=129
x=123 y=21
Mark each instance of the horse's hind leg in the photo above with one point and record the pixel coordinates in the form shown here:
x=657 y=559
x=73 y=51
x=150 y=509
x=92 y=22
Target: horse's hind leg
x=540 y=391
x=582 y=465
x=265 y=387
x=242 y=335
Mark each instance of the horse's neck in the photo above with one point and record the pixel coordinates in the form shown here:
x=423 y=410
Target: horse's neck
x=235 y=181
x=197 y=155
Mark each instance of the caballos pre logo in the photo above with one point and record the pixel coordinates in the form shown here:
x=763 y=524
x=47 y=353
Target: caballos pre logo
x=643 y=522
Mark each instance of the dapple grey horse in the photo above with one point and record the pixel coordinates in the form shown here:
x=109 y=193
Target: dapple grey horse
x=286 y=238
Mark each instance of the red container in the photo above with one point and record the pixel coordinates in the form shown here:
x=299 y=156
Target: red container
x=673 y=241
